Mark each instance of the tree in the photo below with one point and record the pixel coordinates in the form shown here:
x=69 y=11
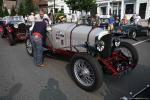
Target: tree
x=1 y=8
x=21 y=9
x=79 y=5
x=29 y=6
x=13 y=11
x=6 y=13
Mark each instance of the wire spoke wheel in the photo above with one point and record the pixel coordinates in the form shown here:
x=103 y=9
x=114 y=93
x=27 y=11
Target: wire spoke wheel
x=29 y=47
x=84 y=72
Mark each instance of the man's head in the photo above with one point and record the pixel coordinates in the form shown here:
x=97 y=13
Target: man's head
x=41 y=12
x=32 y=13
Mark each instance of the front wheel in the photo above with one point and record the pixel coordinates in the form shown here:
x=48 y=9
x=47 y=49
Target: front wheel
x=148 y=32
x=127 y=51
x=11 y=39
x=86 y=72
x=29 y=47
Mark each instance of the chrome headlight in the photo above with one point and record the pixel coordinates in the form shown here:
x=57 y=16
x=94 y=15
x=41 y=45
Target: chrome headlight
x=100 y=45
x=117 y=42
x=15 y=25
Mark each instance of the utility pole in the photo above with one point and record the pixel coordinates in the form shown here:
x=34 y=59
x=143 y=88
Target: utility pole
x=54 y=12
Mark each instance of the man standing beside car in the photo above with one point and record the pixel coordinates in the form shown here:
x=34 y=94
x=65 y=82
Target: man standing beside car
x=38 y=38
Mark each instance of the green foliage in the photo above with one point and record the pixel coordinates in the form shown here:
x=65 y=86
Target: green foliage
x=1 y=12
x=13 y=11
x=21 y=9
x=1 y=5
x=29 y=6
x=6 y=12
x=80 y=5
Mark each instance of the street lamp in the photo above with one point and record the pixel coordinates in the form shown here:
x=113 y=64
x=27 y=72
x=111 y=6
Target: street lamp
x=54 y=13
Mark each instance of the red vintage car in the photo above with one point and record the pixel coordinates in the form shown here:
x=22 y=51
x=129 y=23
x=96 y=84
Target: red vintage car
x=13 y=29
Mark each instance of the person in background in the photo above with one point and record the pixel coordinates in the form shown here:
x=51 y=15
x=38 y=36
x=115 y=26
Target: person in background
x=111 y=23
x=124 y=20
x=132 y=19
x=97 y=19
x=38 y=38
x=137 y=18
x=41 y=15
x=117 y=22
x=51 y=17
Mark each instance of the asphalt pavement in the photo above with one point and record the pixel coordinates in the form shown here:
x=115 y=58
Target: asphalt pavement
x=20 y=79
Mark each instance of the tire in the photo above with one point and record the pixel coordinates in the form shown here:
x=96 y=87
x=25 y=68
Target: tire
x=2 y=34
x=133 y=53
x=148 y=32
x=29 y=47
x=133 y=34
x=11 y=39
x=92 y=70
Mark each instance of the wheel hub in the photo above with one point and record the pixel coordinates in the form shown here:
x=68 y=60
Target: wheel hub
x=29 y=46
x=85 y=71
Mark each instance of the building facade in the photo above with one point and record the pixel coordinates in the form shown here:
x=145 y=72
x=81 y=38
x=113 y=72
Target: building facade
x=110 y=7
x=140 y=7
x=59 y=5
x=124 y=8
x=9 y=4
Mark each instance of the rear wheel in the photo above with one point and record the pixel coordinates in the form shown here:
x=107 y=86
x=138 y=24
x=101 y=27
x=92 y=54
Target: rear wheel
x=11 y=39
x=2 y=34
x=29 y=47
x=148 y=32
x=86 y=72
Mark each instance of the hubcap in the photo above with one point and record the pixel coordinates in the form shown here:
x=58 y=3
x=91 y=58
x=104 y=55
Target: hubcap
x=148 y=33
x=134 y=34
x=84 y=73
x=29 y=46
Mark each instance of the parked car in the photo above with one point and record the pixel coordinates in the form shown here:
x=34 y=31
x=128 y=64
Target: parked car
x=14 y=30
x=1 y=26
x=92 y=51
x=134 y=30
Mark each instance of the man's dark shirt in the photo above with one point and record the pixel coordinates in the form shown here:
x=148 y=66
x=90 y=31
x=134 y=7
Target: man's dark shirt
x=40 y=27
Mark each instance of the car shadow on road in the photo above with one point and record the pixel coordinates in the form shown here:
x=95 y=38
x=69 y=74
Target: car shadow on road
x=52 y=91
x=12 y=92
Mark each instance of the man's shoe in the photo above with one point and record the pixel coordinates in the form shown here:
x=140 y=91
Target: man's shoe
x=42 y=65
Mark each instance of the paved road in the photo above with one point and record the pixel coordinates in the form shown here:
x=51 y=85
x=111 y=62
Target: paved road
x=21 y=80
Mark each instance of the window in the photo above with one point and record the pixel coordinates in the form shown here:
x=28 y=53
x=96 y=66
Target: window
x=103 y=9
x=129 y=9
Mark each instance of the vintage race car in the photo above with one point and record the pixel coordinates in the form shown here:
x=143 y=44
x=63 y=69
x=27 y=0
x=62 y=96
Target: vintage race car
x=92 y=52
x=133 y=30
x=14 y=29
